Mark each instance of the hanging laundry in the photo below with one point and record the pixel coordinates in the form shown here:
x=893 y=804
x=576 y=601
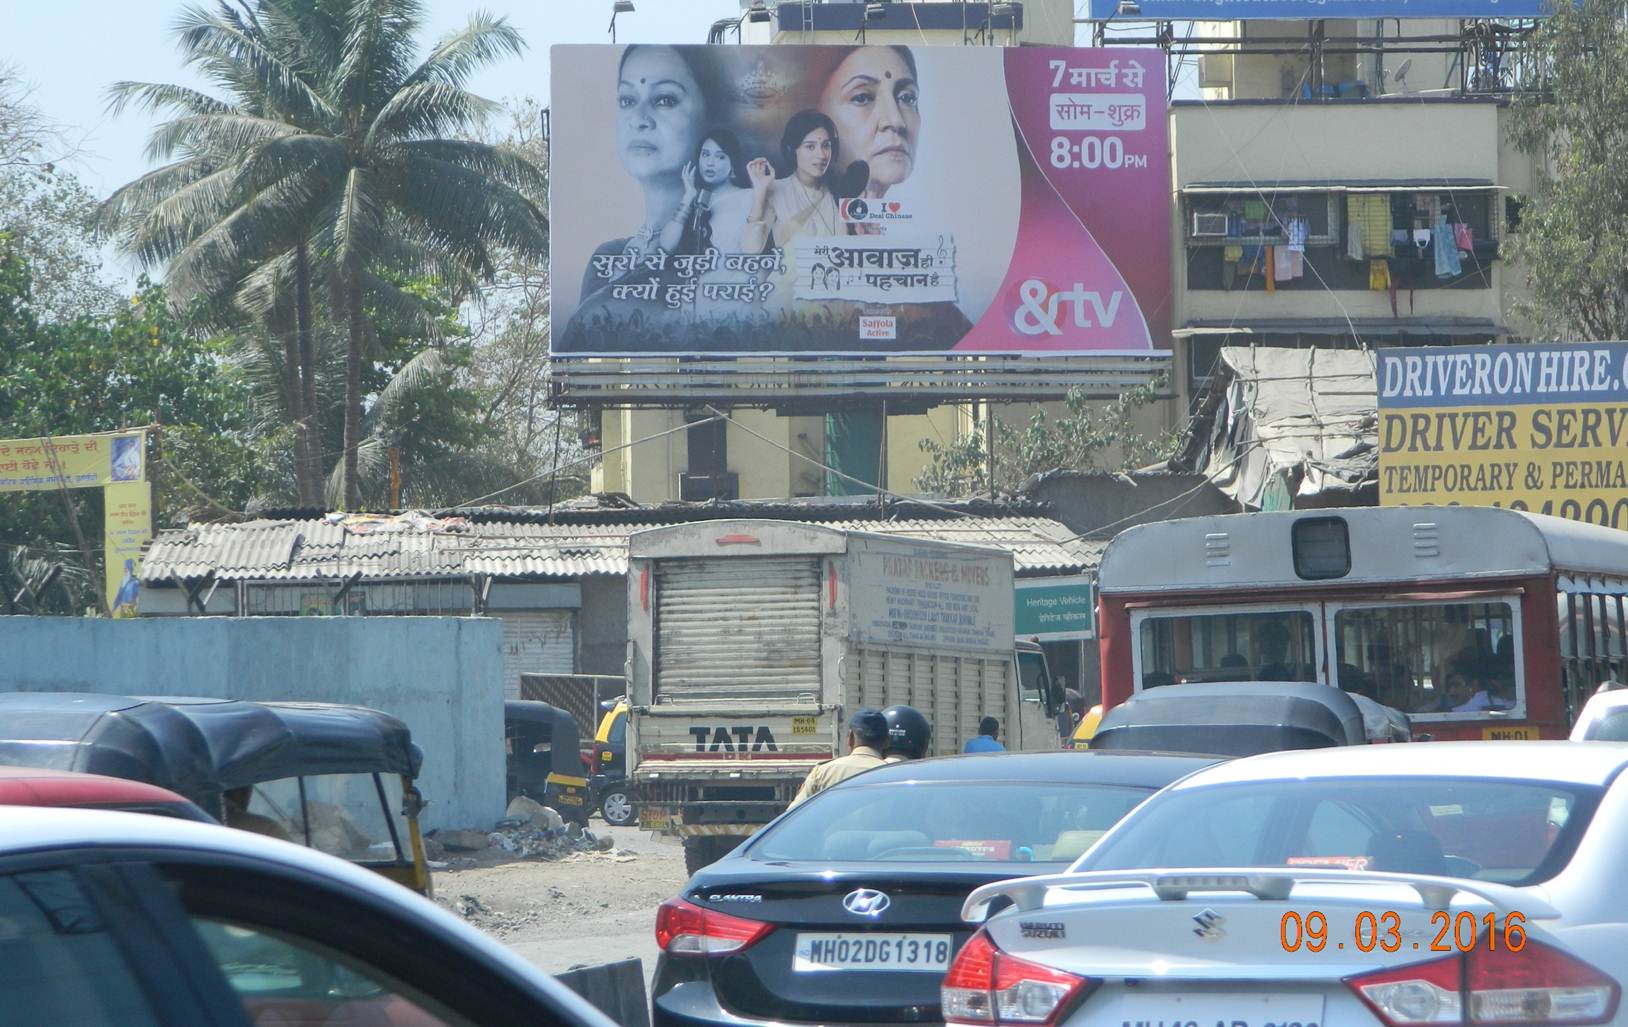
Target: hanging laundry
x=1372 y=213
x=1353 y=242
x=1462 y=237
x=1271 y=270
x=1447 y=262
x=1379 y=280
x=1299 y=229
x=1254 y=210
x=1230 y=256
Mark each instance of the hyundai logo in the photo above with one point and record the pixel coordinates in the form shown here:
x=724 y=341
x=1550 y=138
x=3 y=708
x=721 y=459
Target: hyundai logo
x=866 y=902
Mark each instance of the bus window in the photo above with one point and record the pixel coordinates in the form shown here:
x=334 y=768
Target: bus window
x=1233 y=645
x=1432 y=658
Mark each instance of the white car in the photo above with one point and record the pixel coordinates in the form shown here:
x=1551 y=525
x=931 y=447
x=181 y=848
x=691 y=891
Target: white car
x=132 y=920
x=1447 y=882
x=1604 y=718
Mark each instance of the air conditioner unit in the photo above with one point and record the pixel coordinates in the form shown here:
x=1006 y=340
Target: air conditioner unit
x=1209 y=225
x=1215 y=71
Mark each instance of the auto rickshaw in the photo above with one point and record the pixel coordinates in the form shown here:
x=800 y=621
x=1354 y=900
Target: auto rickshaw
x=1233 y=719
x=612 y=794
x=544 y=763
x=336 y=778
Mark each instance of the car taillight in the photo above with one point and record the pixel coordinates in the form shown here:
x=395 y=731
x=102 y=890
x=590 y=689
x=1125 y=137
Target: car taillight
x=988 y=986
x=685 y=929
x=1538 y=984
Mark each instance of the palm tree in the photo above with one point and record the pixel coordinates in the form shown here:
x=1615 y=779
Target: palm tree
x=339 y=157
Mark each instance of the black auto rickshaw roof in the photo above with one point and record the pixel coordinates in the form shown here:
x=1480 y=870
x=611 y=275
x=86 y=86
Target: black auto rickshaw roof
x=200 y=747
x=1233 y=719
x=538 y=718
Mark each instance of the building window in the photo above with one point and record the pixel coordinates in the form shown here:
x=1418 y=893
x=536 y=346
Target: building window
x=708 y=445
x=1229 y=234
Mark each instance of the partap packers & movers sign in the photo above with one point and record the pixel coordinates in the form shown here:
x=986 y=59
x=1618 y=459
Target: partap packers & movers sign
x=1530 y=427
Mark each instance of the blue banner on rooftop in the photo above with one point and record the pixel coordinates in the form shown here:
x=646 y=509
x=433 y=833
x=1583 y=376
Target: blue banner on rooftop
x=1302 y=10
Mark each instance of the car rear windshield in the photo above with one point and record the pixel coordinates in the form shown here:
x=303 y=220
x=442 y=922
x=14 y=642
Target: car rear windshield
x=1510 y=832
x=952 y=821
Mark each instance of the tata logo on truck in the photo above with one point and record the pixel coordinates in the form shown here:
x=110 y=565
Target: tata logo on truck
x=738 y=738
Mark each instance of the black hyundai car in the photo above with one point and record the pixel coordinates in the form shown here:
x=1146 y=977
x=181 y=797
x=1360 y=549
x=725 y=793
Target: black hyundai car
x=847 y=909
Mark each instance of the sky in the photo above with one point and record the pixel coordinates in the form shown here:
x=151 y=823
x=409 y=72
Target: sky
x=70 y=51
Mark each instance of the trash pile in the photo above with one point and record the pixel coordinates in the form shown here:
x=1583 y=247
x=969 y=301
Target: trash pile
x=528 y=830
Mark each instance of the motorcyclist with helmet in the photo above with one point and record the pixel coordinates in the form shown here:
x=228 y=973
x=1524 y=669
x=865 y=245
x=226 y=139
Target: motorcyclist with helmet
x=909 y=734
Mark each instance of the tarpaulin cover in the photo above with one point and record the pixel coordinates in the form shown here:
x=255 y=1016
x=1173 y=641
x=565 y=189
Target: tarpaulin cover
x=200 y=747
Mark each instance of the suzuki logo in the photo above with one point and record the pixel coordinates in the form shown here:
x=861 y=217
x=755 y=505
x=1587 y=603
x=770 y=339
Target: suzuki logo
x=866 y=902
x=1209 y=925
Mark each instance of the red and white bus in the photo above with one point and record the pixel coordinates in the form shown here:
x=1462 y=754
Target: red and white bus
x=1476 y=622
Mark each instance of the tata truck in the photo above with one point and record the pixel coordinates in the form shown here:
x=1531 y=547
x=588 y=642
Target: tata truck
x=751 y=643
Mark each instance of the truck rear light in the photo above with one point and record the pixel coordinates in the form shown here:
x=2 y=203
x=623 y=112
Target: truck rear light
x=685 y=929
x=987 y=986
x=1537 y=984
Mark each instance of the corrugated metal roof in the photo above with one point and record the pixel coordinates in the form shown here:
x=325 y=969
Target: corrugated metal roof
x=425 y=547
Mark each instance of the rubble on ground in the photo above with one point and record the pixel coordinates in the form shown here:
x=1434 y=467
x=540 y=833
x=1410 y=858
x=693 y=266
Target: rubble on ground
x=528 y=830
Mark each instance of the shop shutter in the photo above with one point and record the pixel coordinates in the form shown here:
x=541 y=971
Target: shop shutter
x=730 y=629
x=536 y=642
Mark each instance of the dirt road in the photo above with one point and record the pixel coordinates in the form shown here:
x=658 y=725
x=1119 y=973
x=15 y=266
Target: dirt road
x=585 y=909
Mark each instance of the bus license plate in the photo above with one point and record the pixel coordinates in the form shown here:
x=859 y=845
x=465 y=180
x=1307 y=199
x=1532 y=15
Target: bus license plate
x=1521 y=733
x=822 y=953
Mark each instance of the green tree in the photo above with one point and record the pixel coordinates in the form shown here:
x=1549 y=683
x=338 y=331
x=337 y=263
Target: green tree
x=1572 y=238
x=336 y=161
x=137 y=365
x=1079 y=438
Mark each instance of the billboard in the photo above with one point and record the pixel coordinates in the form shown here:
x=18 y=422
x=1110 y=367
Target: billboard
x=858 y=200
x=1312 y=10
x=1539 y=428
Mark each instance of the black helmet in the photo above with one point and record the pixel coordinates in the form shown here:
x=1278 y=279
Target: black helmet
x=908 y=732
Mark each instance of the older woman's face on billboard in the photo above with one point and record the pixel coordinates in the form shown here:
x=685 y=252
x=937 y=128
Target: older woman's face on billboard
x=874 y=100
x=661 y=112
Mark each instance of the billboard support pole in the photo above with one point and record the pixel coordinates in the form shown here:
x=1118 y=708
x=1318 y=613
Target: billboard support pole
x=989 y=445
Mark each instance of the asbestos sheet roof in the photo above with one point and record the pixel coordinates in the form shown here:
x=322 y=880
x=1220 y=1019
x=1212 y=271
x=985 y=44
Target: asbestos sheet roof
x=417 y=545
x=1305 y=417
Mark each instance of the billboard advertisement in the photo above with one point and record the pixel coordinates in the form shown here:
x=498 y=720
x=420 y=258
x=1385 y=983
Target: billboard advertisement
x=1539 y=428
x=1312 y=10
x=858 y=200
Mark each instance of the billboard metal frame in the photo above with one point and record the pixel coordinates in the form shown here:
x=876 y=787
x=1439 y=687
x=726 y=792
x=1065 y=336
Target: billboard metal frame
x=1481 y=44
x=789 y=384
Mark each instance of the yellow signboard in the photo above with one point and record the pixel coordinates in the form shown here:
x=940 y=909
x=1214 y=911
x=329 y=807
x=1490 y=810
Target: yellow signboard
x=114 y=462
x=127 y=526
x=1540 y=428
x=77 y=461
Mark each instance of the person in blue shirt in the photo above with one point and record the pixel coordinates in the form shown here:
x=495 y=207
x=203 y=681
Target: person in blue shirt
x=988 y=729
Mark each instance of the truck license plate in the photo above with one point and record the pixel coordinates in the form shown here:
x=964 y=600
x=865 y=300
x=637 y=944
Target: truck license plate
x=822 y=953
x=653 y=818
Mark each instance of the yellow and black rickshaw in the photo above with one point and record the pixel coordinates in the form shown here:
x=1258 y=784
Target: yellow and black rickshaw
x=332 y=777
x=543 y=758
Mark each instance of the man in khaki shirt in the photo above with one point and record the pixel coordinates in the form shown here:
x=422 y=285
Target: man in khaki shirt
x=867 y=734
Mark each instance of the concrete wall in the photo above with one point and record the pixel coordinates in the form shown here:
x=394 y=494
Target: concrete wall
x=443 y=676
x=1086 y=502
